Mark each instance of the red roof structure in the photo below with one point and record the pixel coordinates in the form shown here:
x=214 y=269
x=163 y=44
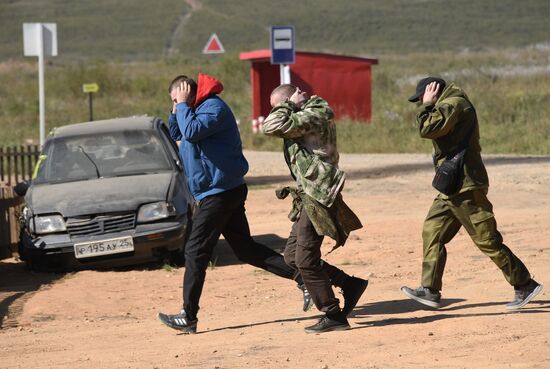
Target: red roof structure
x=344 y=81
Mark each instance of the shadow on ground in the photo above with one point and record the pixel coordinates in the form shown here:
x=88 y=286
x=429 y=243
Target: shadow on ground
x=448 y=305
x=224 y=255
x=276 y=321
x=17 y=285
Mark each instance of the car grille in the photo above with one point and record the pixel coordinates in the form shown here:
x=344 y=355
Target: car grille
x=100 y=224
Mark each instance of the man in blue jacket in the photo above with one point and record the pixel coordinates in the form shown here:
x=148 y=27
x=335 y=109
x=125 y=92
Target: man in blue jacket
x=211 y=151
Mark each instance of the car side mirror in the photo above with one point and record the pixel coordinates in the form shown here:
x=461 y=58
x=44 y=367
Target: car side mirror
x=21 y=188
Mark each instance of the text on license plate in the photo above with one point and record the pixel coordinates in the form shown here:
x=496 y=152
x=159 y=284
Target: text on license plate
x=103 y=247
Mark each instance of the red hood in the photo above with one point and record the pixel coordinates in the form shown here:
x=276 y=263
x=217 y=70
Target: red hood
x=206 y=86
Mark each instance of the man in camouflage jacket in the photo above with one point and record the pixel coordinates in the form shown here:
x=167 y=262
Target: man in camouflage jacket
x=307 y=127
x=447 y=117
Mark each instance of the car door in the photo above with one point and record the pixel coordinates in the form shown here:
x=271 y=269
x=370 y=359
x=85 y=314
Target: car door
x=179 y=191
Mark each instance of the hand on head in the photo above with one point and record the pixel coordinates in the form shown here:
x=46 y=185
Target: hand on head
x=183 y=90
x=181 y=93
x=299 y=97
x=430 y=94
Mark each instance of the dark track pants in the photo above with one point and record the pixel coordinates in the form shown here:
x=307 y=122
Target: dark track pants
x=223 y=213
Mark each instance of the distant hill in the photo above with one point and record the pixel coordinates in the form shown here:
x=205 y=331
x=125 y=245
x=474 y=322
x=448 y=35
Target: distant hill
x=146 y=30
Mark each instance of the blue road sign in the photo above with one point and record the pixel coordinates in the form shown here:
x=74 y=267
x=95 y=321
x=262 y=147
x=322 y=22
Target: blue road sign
x=282 y=45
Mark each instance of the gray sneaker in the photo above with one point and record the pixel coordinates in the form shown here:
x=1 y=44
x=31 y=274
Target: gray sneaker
x=524 y=294
x=423 y=295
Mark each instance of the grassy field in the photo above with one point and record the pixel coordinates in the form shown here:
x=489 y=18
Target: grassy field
x=92 y=30
x=375 y=26
x=510 y=89
x=139 y=29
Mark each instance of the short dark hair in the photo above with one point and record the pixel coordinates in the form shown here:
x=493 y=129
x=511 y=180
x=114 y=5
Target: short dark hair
x=285 y=90
x=183 y=78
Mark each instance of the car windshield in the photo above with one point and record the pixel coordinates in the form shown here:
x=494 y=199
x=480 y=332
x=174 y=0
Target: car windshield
x=109 y=154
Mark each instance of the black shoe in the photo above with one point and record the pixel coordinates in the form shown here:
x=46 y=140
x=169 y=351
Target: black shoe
x=424 y=296
x=352 y=291
x=308 y=301
x=524 y=294
x=179 y=321
x=326 y=324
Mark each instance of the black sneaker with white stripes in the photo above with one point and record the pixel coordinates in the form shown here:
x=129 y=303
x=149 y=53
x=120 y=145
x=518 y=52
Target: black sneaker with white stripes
x=308 y=301
x=179 y=321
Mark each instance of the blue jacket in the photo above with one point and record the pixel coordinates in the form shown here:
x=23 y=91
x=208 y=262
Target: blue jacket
x=210 y=147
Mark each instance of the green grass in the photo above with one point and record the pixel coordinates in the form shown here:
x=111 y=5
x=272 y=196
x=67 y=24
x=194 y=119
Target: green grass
x=122 y=46
x=373 y=27
x=167 y=267
x=513 y=108
x=92 y=30
x=140 y=30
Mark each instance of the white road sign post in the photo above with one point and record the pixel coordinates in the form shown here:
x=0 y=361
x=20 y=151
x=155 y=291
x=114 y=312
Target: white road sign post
x=40 y=39
x=282 y=50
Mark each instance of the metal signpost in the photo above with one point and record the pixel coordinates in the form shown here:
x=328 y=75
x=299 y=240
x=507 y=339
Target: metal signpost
x=282 y=50
x=40 y=39
x=90 y=88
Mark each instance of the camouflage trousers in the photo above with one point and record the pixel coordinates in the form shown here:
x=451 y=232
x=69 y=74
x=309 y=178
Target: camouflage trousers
x=473 y=211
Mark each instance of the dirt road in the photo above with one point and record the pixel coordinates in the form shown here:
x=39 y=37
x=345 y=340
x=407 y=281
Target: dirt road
x=251 y=319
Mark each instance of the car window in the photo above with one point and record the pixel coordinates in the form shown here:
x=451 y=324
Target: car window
x=102 y=155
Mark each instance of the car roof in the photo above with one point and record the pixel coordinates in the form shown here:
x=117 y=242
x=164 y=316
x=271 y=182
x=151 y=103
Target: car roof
x=108 y=125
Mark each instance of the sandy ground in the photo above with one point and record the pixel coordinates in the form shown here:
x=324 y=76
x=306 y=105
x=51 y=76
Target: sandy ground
x=252 y=319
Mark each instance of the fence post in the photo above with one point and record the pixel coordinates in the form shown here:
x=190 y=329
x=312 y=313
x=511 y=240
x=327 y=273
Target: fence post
x=9 y=169
x=2 y=164
x=10 y=206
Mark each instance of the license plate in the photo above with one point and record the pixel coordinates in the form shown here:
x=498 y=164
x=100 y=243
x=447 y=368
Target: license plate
x=103 y=247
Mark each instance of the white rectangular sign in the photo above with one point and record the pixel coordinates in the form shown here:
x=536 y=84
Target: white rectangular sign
x=282 y=38
x=37 y=35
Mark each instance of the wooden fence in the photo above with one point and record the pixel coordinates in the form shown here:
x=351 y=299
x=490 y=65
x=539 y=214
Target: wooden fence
x=10 y=208
x=17 y=163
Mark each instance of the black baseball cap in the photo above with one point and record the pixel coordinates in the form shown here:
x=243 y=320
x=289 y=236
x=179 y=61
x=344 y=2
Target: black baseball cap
x=423 y=83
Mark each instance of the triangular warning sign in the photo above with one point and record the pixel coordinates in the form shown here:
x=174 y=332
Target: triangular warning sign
x=213 y=46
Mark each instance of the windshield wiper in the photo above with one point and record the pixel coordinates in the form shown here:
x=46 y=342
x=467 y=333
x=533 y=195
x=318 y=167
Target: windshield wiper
x=133 y=174
x=56 y=181
x=90 y=159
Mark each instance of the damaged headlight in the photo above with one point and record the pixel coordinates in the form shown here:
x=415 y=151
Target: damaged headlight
x=47 y=224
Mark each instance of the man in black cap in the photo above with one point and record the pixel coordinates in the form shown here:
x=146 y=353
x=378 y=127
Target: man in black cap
x=447 y=117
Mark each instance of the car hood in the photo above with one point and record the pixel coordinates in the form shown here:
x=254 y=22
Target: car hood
x=102 y=195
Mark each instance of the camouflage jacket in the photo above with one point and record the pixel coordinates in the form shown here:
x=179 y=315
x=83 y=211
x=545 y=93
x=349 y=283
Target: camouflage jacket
x=448 y=123
x=309 y=135
x=336 y=222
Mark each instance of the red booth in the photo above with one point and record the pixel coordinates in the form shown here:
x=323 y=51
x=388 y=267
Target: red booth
x=344 y=81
